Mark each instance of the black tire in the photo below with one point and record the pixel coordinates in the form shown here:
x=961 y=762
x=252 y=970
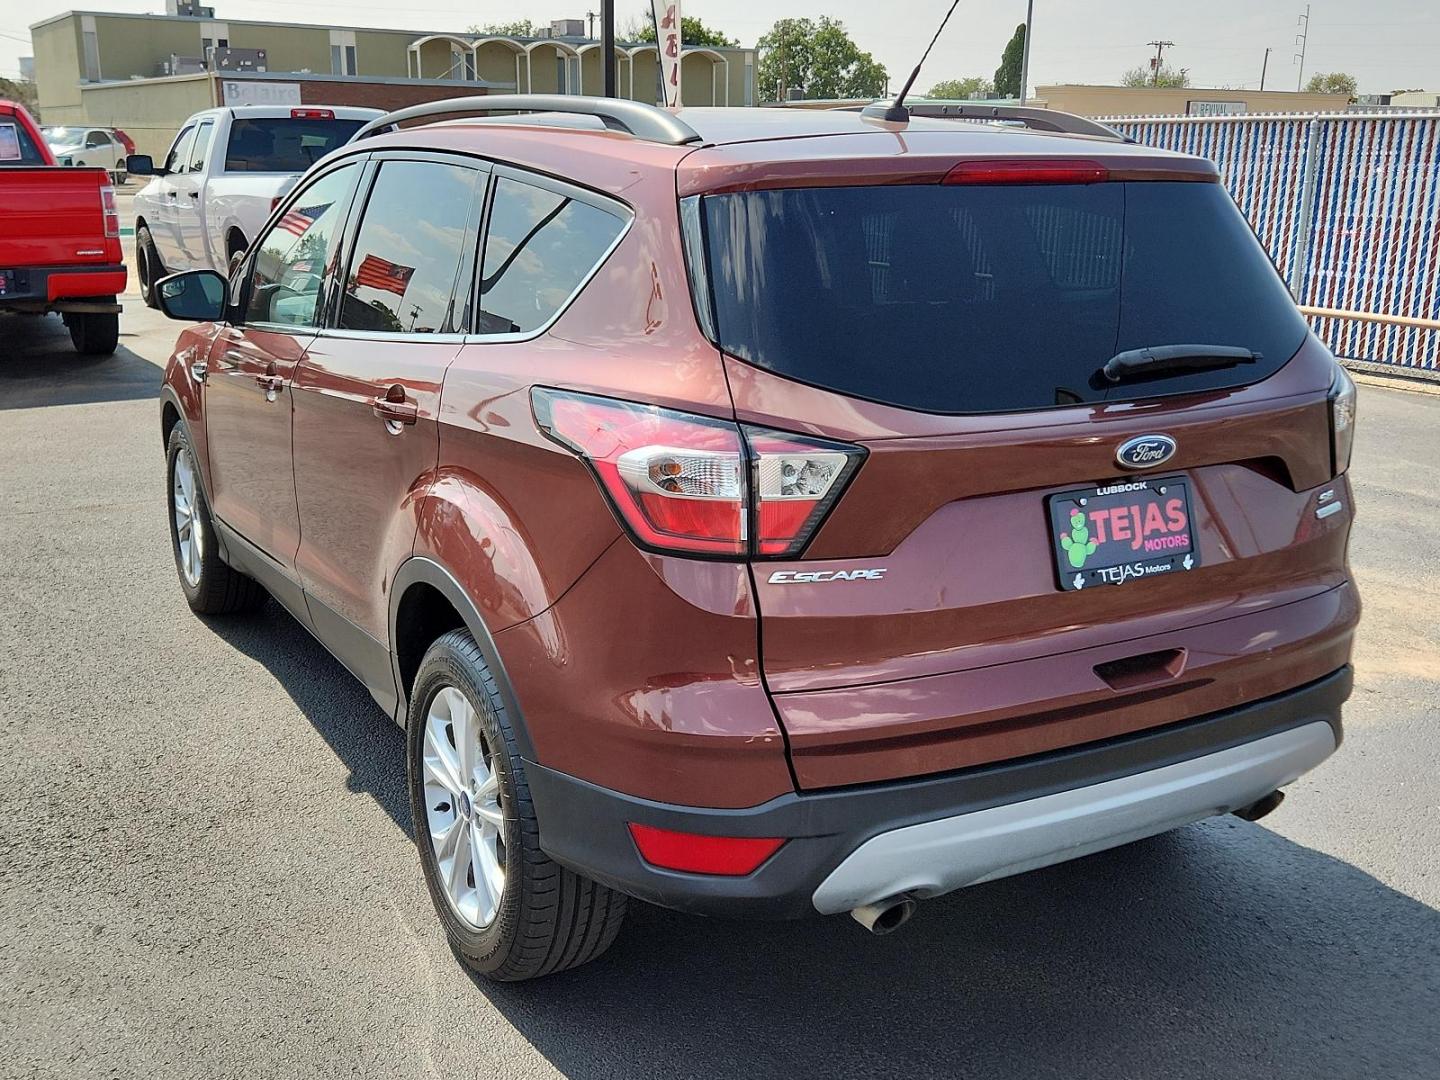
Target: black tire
x=218 y=589
x=549 y=918
x=148 y=267
x=94 y=334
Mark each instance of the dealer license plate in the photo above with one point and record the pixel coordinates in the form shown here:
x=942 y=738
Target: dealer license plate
x=1119 y=531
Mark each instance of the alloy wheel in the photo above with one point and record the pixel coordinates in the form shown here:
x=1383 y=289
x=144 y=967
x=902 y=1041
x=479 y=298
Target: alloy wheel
x=462 y=804
x=189 y=528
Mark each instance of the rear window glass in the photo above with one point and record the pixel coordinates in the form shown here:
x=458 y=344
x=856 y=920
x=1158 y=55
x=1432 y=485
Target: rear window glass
x=992 y=298
x=16 y=145
x=283 y=143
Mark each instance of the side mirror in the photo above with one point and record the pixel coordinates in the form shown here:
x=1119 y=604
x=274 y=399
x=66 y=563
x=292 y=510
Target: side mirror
x=142 y=165
x=195 y=296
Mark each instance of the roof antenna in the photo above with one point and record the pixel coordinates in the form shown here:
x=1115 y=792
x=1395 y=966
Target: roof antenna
x=895 y=110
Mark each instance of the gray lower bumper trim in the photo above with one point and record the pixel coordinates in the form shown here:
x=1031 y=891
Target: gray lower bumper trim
x=938 y=856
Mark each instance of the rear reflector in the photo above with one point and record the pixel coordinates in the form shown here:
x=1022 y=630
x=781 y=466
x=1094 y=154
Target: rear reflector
x=730 y=856
x=1028 y=171
x=312 y=114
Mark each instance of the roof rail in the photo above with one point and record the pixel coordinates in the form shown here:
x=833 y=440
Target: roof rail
x=618 y=114
x=1040 y=119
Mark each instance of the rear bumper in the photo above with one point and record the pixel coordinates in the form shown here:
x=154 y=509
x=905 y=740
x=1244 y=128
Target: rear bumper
x=48 y=285
x=853 y=846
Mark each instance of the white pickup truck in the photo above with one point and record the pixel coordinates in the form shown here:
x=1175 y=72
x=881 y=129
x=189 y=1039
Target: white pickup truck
x=222 y=177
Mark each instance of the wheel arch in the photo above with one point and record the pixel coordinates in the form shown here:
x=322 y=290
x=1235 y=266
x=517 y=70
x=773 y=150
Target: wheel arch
x=420 y=587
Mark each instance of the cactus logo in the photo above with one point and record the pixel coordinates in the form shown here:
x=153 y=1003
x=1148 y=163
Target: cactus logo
x=1077 y=542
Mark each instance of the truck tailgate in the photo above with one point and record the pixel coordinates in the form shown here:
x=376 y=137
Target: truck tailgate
x=52 y=216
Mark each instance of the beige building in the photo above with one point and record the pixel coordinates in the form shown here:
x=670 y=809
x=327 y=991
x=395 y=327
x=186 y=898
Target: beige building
x=147 y=73
x=1186 y=101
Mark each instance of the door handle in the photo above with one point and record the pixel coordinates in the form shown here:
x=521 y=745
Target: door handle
x=396 y=414
x=270 y=382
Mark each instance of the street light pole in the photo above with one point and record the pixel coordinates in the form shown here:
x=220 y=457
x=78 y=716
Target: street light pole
x=1025 y=53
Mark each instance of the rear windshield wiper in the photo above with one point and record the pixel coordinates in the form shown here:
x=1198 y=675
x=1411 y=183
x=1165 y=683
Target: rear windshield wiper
x=1156 y=359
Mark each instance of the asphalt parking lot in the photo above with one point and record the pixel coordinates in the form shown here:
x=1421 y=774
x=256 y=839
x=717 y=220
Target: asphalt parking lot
x=207 y=869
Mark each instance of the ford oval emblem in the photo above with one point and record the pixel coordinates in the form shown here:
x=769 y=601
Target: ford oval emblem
x=1145 y=451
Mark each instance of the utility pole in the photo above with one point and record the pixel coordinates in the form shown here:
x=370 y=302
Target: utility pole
x=1302 y=39
x=1160 y=47
x=1264 y=65
x=1025 y=53
x=590 y=18
x=607 y=45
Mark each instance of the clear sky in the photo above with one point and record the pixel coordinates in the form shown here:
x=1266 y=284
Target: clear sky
x=1385 y=44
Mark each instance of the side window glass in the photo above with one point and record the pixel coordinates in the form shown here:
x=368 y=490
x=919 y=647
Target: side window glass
x=409 y=249
x=96 y=138
x=539 y=248
x=298 y=255
x=179 y=155
x=202 y=146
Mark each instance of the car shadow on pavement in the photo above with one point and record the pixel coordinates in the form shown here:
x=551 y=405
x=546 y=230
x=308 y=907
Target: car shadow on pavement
x=39 y=367
x=335 y=703
x=1222 y=950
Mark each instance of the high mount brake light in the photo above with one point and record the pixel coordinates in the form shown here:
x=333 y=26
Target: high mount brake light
x=696 y=485
x=1028 y=171
x=312 y=114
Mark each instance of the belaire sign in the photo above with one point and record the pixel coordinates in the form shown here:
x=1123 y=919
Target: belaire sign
x=667 y=37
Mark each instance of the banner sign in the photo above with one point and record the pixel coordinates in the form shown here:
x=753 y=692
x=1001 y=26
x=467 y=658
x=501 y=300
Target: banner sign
x=667 y=37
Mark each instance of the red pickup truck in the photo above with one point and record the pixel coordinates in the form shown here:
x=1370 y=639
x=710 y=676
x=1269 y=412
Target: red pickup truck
x=59 y=237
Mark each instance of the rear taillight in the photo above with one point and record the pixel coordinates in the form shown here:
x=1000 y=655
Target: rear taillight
x=110 y=210
x=1028 y=171
x=697 y=485
x=1342 y=420
x=796 y=481
x=275 y=200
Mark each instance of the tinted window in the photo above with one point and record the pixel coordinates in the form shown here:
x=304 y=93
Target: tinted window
x=284 y=144
x=16 y=145
x=981 y=298
x=202 y=146
x=410 y=248
x=179 y=155
x=97 y=138
x=539 y=248
x=297 y=255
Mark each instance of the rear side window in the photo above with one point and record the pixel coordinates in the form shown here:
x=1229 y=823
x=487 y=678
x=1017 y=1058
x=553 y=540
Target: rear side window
x=979 y=298
x=409 y=253
x=284 y=143
x=540 y=247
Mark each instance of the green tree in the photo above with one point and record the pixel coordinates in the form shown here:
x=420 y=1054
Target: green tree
x=1007 y=75
x=962 y=89
x=1165 y=77
x=514 y=28
x=692 y=32
x=818 y=57
x=23 y=92
x=1334 y=82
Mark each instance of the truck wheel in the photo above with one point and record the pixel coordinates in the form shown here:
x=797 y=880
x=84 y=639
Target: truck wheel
x=94 y=334
x=210 y=586
x=148 y=266
x=509 y=911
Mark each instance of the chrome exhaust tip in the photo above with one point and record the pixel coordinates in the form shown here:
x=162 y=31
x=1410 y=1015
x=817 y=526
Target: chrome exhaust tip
x=885 y=916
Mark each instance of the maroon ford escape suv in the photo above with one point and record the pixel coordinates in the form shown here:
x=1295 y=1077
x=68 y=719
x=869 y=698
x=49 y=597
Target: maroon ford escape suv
x=765 y=513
